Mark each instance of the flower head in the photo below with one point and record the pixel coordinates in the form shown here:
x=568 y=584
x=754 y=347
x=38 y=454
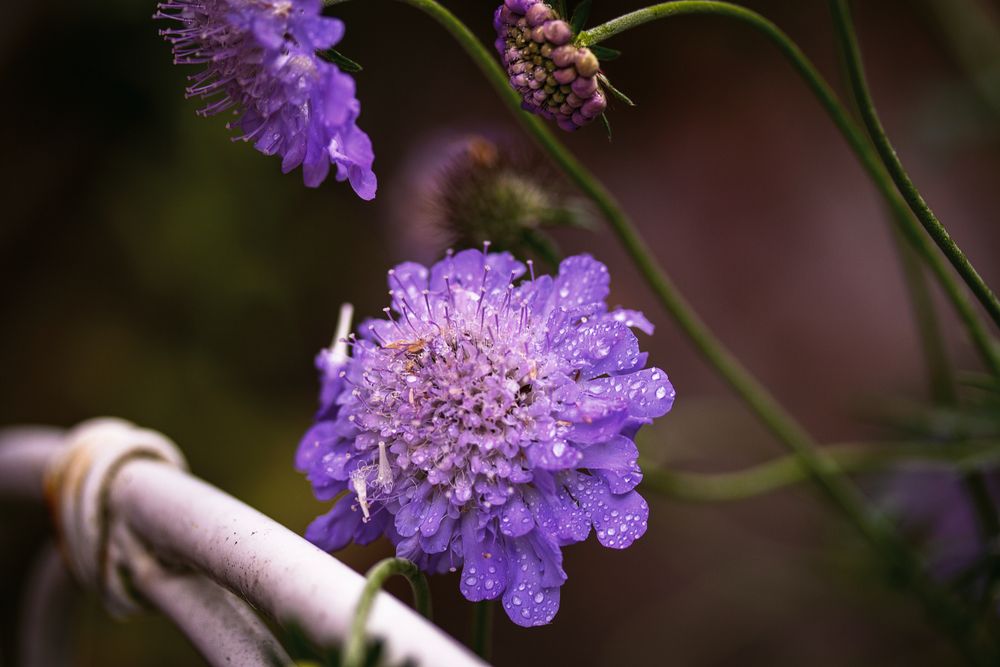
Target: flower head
x=556 y=79
x=494 y=191
x=486 y=422
x=260 y=62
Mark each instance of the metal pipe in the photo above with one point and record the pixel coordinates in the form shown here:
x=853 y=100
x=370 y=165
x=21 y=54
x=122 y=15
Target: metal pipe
x=178 y=518
x=24 y=454
x=45 y=636
x=220 y=625
x=260 y=560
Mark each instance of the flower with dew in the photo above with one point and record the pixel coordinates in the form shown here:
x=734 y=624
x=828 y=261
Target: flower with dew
x=260 y=61
x=556 y=79
x=486 y=422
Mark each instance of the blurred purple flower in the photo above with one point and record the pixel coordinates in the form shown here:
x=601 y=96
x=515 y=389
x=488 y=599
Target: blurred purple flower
x=934 y=507
x=556 y=79
x=486 y=424
x=260 y=61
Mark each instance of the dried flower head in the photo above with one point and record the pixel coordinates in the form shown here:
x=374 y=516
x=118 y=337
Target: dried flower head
x=491 y=191
x=556 y=79
x=485 y=423
x=260 y=63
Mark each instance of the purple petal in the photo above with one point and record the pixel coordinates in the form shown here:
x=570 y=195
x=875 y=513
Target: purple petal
x=317 y=442
x=647 y=393
x=527 y=600
x=515 y=517
x=555 y=455
x=441 y=539
x=484 y=575
x=618 y=519
x=632 y=319
x=617 y=461
x=333 y=531
x=582 y=284
x=602 y=347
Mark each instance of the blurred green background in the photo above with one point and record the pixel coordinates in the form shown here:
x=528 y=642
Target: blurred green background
x=156 y=271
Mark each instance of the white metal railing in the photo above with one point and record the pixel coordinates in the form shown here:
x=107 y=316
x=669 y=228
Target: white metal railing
x=130 y=520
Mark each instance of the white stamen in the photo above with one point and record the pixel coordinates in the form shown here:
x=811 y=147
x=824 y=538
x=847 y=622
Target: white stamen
x=338 y=350
x=361 y=488
x=384 y=478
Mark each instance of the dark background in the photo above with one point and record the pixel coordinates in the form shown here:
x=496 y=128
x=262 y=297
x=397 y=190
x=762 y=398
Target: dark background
x=153 y=270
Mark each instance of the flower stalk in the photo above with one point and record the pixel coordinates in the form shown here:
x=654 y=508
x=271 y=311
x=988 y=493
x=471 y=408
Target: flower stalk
x=482 y=629
x=354 y=650
x=786 y=471
x=851 y=51
x=852 y=133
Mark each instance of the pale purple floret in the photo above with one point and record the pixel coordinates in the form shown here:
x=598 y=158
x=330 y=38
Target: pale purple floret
x=485 y=423
x=260 y=63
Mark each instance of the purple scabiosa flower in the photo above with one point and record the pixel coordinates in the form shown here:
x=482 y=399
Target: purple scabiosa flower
x=486 y=422
x=556 y=79
x=260 y=61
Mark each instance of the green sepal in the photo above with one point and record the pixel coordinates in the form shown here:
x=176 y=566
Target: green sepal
x=614 y=91
x=580 y=15
x=607 y=124
x=604 y=53
x=335 y=57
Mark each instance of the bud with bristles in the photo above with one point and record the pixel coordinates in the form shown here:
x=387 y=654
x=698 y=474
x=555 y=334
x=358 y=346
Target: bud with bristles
x=492 y=192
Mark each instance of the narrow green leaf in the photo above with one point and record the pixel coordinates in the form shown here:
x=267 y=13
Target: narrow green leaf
x=607 y=125
x=337 y=58
x=561 y=8
x=580 y=15
x=604 y=53
x=614 y=91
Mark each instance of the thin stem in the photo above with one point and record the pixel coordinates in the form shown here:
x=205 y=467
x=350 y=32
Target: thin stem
x=355 y=649
x=856 y=73
x=482 y=629
x=897 y=555
x=943 y=392
x=851 y=132
x=942 y=384
x=787 y=471
x=940 y=380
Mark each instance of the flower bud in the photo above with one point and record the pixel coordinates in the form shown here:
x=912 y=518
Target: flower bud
x=490 y=191
x=538 y=14
x=555 y=79
x=586 y=63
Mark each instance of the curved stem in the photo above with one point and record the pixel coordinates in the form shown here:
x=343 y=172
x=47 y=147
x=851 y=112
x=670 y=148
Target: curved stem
x=854 y=135
x=786 y=471
x=974 y=481
x=856 y=73
x=897 y=555
x=354 y=650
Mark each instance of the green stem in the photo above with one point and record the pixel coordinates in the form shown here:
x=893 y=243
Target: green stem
x=853 y=134
x=855 y=69
x=482 y=629
x=940 y=377
x=355 y=649
x=786 y=471
x=942 y=384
